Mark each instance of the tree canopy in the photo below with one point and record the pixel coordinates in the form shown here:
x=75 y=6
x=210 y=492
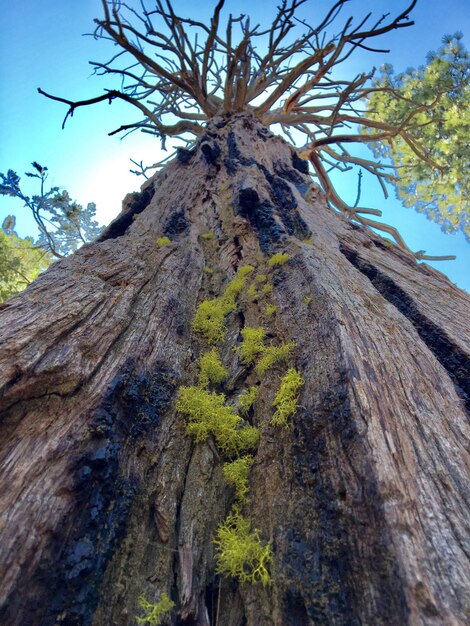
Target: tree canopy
x=437 y=96
x=179 y=72
x=21 y=261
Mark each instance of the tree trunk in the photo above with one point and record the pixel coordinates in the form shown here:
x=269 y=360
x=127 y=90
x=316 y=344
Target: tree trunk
x=106 y=498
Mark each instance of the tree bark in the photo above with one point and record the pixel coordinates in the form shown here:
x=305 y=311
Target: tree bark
x=105 y=498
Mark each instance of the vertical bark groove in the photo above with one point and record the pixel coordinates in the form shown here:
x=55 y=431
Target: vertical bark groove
x=451 y=357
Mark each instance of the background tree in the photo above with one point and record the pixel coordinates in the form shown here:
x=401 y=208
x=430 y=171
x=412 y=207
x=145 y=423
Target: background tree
x=237 y=406
x=21 y=261
x=63 y=224
x=441 y=190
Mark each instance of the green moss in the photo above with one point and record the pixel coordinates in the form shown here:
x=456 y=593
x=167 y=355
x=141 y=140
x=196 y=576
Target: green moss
x=267 y=289
x=271 y=309
x=236 y=474
x=163 y=241
x=208 y=236
x=248 y=398
x=261 y=278
x=212 y=369
x=252 y=344
x=273 y=355
x=287 y=398
x=278 y=259
x=252 y=292
x=154 y=612
x=208 y=414
x=240 y=552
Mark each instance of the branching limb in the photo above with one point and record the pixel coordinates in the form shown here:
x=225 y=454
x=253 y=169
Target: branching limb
x=385 y=228
x=330 y=192
x=154 y=123
x=371 y=166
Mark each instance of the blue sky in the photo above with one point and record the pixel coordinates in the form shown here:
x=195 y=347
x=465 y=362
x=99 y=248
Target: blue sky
x=42 y=44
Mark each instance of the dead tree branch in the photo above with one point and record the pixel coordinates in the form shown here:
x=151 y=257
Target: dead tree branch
x=168 y=75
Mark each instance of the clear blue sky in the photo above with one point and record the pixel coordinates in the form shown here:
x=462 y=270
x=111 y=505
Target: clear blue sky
x=42 y=45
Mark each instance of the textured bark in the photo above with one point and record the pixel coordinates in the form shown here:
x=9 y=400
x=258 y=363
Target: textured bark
x=104 y=496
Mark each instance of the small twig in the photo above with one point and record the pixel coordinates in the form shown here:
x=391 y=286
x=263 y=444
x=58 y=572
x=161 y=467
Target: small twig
x=358 y=197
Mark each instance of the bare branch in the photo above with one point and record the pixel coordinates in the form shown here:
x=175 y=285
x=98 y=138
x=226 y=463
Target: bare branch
x=109 y=96
x=210 y=42
x=330 y=192
x=168 y=74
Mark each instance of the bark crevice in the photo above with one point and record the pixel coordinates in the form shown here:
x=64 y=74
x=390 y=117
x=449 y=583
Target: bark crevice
x=449 y=355
x=133 y=404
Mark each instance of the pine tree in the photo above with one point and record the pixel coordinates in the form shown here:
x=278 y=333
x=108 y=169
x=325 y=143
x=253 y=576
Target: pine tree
x=436 y=185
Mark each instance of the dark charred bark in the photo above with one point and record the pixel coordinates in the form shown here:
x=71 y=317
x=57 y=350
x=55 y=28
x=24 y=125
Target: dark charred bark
x=105 y=497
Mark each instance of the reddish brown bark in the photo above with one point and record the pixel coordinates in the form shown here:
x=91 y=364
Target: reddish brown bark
x=104 y=497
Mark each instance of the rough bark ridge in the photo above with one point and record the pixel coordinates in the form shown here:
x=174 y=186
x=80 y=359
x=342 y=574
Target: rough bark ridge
x=104 y=496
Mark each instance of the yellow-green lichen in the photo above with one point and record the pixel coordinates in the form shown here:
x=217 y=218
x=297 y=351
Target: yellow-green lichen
x=286 y=400
x=240 y=552
x=234 y=287
x=209 y=319
x=212 y=370
x=307 y=300
x=163 y=241
x=246 y=438
x=271 y=309
x=154 y=613
x=252 y=292
x=236 y=474
x=208 y=236
x=244 y=270
x=273 y=355
x=261 y=278
x=267 y=289
x=208 y=414
x=252 y=344
x=247 y=398
x=278 y=259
